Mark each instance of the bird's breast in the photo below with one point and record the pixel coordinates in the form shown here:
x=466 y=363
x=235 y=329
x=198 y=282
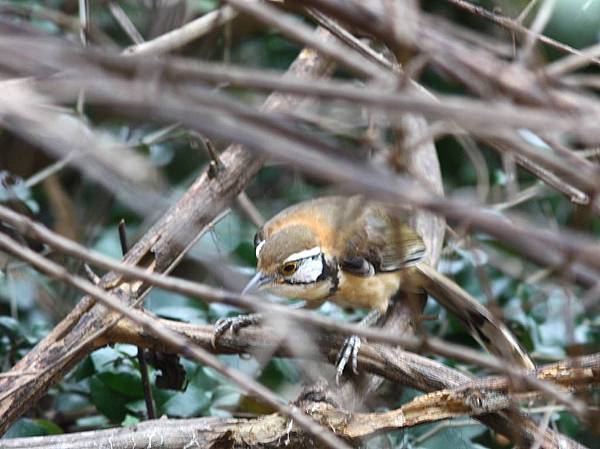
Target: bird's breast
x=372 y=292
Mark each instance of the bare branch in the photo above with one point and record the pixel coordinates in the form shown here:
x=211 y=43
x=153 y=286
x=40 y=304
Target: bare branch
x=512 y=25
x=185 y=34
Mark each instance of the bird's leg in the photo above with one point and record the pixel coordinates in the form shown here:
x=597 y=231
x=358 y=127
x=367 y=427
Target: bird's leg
x=234 y=323
x=351 y=346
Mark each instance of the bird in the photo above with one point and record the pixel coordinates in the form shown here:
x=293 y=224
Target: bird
x=356 y=253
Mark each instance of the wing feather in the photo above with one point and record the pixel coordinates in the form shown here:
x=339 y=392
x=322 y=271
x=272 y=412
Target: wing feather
x=379 y=242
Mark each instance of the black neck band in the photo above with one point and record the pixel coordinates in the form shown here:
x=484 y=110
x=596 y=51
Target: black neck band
x=330 y=272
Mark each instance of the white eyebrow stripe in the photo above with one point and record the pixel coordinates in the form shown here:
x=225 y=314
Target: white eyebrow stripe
x=304 y=254
x=259 y=247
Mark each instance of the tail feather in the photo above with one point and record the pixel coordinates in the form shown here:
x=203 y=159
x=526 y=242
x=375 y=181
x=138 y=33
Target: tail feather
x=489 y=331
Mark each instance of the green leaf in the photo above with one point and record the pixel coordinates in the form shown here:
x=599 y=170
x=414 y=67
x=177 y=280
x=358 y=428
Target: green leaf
x=172 y=305
x=93 y=422
x=202 y=6
x=25 y=428
x=245 y=252
x=107 y=401
x=11 y=328
x=116 y=371
x=224 y=398
x=126 y=383
x=449 y=436
x=104 y=359
x=50 y=427
x=279 y=371
x=204 y=379
x=130 y=421
x=70 y=402
x=84 y=370
x=190 y=403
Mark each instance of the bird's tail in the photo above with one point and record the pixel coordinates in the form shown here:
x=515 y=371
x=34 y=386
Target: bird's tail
x=488 y=330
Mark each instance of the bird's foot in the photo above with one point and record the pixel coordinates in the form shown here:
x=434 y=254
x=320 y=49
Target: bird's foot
x=234 y=324
x=348 y=353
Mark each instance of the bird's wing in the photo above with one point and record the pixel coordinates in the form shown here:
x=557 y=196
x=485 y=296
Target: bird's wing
x=377 y=242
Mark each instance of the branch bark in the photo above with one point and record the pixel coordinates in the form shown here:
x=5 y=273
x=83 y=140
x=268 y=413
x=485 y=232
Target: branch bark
x=270 y=431
x=405 y=367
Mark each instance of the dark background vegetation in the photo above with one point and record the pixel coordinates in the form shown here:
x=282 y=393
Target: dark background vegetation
x=105 y=390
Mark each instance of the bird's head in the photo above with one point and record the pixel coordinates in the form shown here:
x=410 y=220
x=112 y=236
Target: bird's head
x=291 y=263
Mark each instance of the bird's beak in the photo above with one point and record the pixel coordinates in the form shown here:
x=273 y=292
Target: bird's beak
x=256 y=282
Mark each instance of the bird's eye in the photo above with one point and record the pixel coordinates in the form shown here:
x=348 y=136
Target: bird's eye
x=289 y=268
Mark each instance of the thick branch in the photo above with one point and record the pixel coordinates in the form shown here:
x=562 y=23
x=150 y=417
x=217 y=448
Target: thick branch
x=270 y=431
x=409 y=368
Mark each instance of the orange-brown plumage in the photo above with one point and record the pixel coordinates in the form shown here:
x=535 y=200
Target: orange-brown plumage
x=345 y=229
x=356 y=253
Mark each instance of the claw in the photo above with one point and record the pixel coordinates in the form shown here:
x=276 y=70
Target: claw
x=348 y=352
x=355 y=349
x=222 y=325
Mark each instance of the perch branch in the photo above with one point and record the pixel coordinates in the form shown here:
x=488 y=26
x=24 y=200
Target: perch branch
x=571 y=374
x=414 y=343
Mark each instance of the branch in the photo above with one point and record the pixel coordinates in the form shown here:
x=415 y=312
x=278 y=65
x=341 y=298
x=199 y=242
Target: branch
x=409 y=369
x=162 y=256
x=476 y=116
x=412 y=369
x=115 y=303
x=185 y=34
x=270 y=431
x=514 y=26
x=551 y=249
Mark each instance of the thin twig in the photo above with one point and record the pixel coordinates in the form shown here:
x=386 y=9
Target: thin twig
x=523 y=14
x=512 y=25
x=50 y=170
x=541 y=19
x=185 y=34
x=84 y=19
x=543 y=426
x=571 y=63
x=250 y=209
x=141 y=353
x=297 y=30
x=125 y=22
x=163 y=246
